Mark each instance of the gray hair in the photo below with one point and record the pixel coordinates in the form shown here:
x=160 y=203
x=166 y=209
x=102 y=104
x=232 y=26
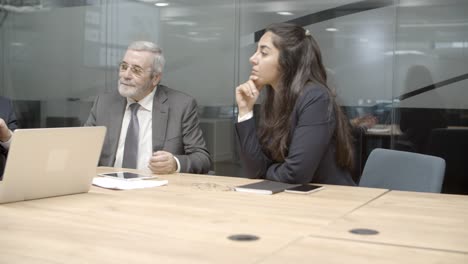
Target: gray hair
x=159 y=61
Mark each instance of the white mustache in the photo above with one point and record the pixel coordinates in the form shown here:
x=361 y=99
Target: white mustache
x=127 y=84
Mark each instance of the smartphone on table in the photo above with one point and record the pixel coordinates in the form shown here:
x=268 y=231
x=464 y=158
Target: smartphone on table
x=128 y=176
x=304 y=189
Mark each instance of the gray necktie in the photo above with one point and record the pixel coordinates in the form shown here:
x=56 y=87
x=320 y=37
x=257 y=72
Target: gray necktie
x=131 y=140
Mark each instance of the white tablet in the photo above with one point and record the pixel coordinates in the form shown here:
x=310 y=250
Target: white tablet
x=128 y=176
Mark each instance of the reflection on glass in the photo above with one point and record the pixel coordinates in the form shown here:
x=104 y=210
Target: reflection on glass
x=416 y=124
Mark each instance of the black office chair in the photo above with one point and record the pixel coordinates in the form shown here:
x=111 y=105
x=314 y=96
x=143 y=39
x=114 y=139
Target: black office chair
x=451 y=144
x=358 y=134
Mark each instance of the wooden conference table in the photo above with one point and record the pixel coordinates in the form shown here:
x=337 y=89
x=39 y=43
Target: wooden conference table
x=192 y=219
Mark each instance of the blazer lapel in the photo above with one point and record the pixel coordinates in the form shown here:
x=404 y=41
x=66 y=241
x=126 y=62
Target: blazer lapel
x=116 y=113
x=160 y=117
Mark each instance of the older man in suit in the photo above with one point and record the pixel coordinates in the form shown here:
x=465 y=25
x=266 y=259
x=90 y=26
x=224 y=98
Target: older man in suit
x=149 y=126
x=7 y=125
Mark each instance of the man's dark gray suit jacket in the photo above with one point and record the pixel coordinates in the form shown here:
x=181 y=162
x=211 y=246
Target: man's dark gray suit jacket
x=175 y=127
x=7 y=113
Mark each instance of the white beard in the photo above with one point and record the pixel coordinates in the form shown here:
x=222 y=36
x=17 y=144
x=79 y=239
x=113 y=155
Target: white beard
x=128 y=91
x=134 y=92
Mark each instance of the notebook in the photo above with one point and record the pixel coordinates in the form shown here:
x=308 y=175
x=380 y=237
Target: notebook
x=51 y=162
x=265 y=187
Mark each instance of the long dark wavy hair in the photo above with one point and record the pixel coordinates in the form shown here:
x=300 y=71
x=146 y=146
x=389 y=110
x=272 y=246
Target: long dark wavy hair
x=300 y=62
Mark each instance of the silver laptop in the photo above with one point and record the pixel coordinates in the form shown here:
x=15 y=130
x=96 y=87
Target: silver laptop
x=51 y=162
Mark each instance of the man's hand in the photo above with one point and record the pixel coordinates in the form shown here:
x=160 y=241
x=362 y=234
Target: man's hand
x=5 y=133
x=366 y=121
x=162 y=162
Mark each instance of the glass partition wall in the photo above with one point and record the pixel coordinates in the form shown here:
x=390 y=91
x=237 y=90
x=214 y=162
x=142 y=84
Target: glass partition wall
x=404 y=63
x=430 y=84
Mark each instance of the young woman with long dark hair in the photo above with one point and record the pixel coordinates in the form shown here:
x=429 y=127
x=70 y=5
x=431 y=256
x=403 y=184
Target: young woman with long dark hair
x=302 y=135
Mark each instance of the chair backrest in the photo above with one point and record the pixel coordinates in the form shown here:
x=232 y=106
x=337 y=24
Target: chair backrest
x=451 y=144
x=406 y=171
x=358 y=134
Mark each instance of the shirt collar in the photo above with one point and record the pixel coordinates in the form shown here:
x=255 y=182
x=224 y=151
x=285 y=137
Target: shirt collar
x=146 y=103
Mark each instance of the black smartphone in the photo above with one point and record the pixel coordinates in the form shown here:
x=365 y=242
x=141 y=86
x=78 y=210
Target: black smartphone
x=127 y=176
x=303 y=189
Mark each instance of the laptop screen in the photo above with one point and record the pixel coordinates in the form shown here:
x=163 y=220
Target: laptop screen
x=51 y=162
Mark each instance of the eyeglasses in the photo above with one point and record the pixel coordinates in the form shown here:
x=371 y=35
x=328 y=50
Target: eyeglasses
x=135 y=69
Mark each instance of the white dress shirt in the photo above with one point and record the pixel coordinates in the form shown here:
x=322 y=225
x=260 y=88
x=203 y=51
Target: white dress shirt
x=6 y=144
x=145 y=142
x=244 y=117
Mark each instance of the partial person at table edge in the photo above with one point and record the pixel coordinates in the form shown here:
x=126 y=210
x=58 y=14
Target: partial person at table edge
x=149 y=126
x=302 y=135
x=8 y=124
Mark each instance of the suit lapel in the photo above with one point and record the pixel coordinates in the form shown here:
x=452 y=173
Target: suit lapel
x=116 y=113
x=160 y=117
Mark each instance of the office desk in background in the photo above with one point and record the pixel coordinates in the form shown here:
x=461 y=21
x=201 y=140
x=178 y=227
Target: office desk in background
x=190 y=221
x=384 y=130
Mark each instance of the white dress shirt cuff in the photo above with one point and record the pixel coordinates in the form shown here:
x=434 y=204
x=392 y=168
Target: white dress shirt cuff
x=245 y=117
x=178 y=164
x=6 y=144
